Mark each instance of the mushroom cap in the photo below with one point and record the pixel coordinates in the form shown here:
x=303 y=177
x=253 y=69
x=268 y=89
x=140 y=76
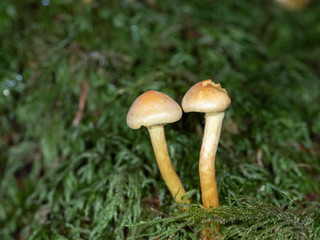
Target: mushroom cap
x=153 y=108
x=206 y=96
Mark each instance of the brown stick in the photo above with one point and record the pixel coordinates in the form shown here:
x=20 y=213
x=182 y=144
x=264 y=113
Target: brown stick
x=82 y=104
x=159 y=212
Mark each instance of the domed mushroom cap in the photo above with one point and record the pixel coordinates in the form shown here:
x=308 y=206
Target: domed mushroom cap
x=206 y=96
x=153 y=108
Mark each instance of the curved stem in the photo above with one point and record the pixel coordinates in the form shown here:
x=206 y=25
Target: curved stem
x=167 y=171
x=208 y=152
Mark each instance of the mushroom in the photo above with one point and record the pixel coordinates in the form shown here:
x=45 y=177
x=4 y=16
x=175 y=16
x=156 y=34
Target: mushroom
x=153 y=110
x=211 y=99
x=292 y=5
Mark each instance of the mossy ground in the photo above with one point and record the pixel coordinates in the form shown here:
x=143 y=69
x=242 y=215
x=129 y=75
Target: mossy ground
x=98 y=180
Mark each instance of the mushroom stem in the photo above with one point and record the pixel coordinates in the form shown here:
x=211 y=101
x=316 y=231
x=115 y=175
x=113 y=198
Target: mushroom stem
x=213 y=122
x=167 y=171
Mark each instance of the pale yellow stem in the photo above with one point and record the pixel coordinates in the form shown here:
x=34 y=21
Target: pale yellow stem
x=160 y=149
x=213 y=122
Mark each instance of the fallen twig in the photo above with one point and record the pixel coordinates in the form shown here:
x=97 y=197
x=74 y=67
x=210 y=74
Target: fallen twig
x=82 y=103
x=159 y=212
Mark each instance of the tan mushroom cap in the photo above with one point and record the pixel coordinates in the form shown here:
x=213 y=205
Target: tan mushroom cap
x=153 y=108
x=206 y=96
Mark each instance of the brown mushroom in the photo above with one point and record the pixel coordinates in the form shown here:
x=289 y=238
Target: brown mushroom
x=209 y=98
x=153 y=110
x=292 y=5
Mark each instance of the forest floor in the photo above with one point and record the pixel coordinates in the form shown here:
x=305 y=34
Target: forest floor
x=71 y=168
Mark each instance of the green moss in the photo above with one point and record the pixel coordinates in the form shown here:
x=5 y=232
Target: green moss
x=99 y=180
